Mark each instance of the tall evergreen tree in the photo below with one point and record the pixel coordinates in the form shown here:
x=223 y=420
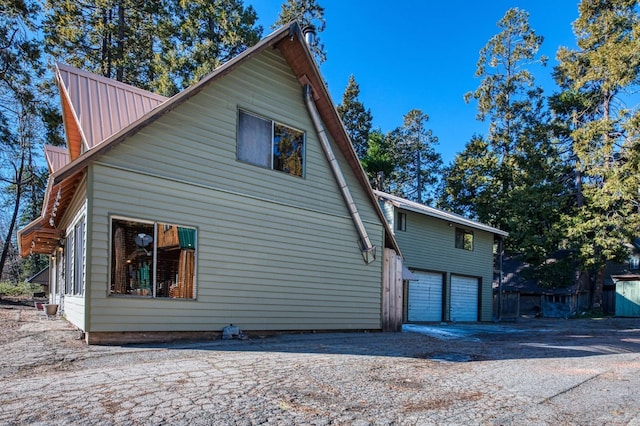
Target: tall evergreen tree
x=419 y=166
x=510 y=169
x=21 y=69
x=112 y=38
x=604 y=131
x=356 y=119
x=470 y=184
x=308 y=13
x=160 y=46
x=202 y=35
x=379 y=161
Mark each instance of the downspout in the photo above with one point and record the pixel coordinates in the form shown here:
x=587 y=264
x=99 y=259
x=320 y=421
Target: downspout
x=368 y=250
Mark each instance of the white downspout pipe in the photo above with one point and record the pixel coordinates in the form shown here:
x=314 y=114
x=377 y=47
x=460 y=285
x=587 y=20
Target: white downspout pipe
x=368 y=249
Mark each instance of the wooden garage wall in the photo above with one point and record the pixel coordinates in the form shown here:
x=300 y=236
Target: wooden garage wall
x=429 y=244
x=275 y=252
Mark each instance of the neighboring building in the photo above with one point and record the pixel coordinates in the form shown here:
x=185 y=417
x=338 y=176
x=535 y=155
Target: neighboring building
x=239 y=200
x=41 y=278
x=451 y=258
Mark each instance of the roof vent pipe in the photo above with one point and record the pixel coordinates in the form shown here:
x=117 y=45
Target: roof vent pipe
x=309 y=33
x=368 y=250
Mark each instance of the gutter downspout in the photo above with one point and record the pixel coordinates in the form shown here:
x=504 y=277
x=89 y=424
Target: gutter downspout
x=368 y=250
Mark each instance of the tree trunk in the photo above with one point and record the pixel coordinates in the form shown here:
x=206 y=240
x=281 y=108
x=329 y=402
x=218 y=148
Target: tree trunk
x=14 y=215
x=120 y=43
x=596 y=302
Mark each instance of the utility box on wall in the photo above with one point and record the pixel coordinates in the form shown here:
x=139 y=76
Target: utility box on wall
x=627 y=295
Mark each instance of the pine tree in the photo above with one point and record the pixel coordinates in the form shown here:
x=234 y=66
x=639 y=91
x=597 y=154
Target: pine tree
x=21 y=180
x=308 y=14
x=379 y=161
x=470 y=184
x=506 y=179
x=202 y=35
x=418 y=166
x=159 y=46
x=603 y=131
x=356 y=119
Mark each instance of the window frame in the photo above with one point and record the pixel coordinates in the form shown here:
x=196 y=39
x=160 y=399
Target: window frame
x=74 y=252
x=401 y=221
x=155 y=224
x=463 y=243
x=273 y=124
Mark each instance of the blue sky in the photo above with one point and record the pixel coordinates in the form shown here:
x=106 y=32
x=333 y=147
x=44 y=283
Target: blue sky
x=422 y=54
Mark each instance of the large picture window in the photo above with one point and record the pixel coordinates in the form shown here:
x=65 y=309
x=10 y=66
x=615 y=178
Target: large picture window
x=265 y=143
x=152 y=259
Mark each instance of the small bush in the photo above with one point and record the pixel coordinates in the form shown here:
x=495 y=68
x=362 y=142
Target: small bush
x=20 y=289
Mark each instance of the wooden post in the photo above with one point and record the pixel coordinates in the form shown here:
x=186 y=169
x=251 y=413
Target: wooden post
x=392 y=294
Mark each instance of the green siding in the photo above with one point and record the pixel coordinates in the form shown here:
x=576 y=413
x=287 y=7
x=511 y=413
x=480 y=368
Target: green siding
x=74 y=306
x=429 y=244
x=274 y=252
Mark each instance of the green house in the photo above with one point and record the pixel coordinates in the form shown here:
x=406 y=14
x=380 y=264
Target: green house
x=239 y=200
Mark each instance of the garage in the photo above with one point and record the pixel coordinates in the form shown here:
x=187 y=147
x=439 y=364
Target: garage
x=464 y=298
x=425 y=297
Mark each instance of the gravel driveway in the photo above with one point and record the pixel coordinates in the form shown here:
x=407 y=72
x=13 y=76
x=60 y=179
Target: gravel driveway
x=538 y=371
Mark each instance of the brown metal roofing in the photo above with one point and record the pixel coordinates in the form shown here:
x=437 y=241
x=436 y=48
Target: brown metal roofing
x=88 y=90
x=57 y=157
x=101 y=106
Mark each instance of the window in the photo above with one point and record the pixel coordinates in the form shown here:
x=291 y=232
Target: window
x=464 y=239
x=74 y=260
x=152 y=259
x=634 y=262
x=401 y=223
x=269 y=144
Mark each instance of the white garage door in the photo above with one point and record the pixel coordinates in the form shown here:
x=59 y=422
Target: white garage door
x=464 y=298
x=425 y=297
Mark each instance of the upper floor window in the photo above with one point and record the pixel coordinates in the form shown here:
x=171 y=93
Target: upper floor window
x=464 y=239
x=401 y=222
x=269 y=144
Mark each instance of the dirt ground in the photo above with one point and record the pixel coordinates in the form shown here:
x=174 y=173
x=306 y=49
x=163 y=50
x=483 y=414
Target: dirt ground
x=534 y=371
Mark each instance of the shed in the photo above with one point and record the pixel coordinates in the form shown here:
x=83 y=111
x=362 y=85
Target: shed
x=627 y=295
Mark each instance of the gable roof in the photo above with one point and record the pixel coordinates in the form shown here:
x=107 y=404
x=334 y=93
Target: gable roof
x=437 y=213
x=96 y=107
x=57 y=157
x=82 y=131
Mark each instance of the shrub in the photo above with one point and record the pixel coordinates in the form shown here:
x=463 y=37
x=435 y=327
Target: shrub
x=20 y=289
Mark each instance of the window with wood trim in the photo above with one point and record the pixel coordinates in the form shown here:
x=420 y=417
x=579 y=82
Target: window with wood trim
x=269 y=144
x=152 y=259
x=464 y=239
